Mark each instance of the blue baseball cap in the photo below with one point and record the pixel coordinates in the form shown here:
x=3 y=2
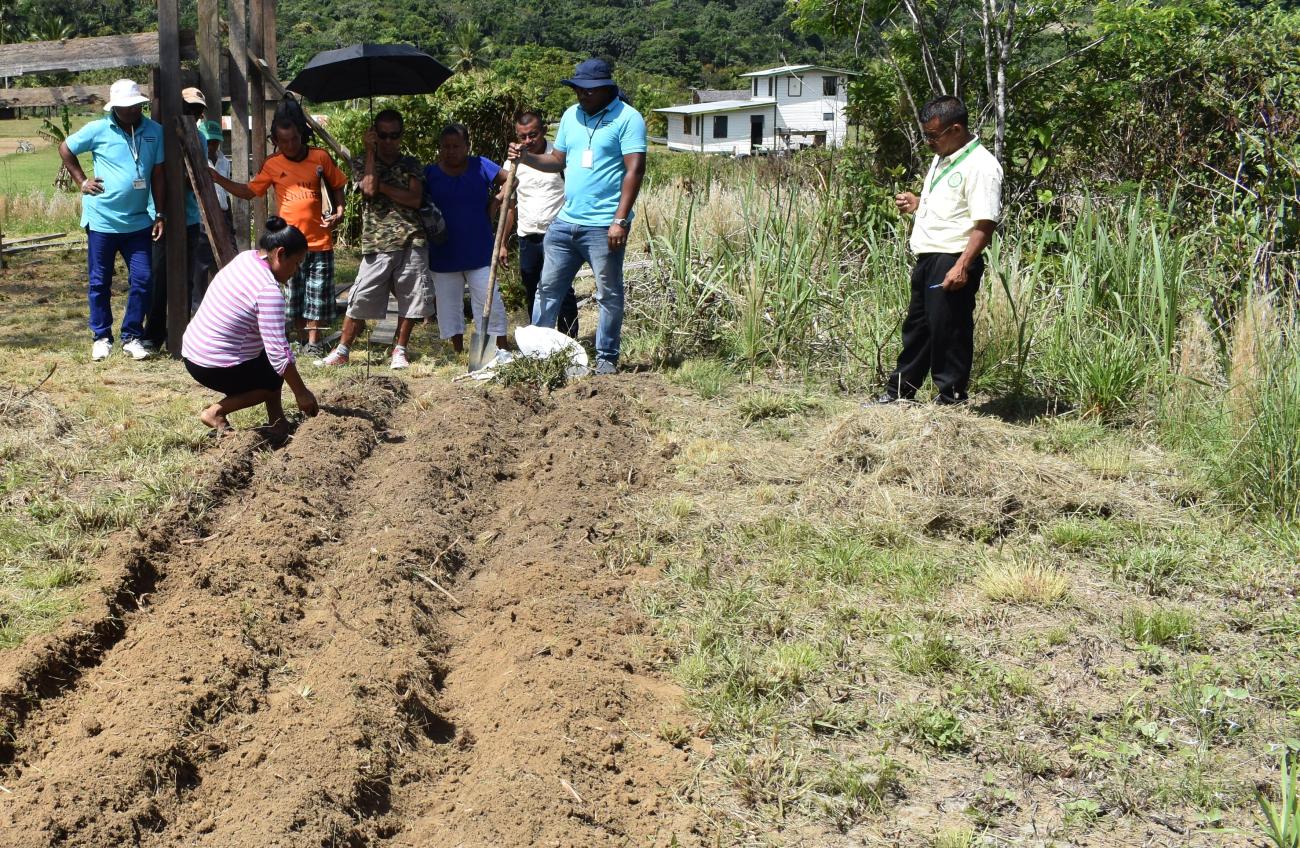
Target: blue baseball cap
x=592 y=73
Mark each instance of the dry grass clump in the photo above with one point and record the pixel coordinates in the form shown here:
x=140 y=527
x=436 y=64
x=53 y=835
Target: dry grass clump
x=955 y=473
x=23 y=411
x=1017 y=582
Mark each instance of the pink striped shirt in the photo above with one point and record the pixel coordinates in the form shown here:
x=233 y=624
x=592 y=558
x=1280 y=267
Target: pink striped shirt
x=241 y=315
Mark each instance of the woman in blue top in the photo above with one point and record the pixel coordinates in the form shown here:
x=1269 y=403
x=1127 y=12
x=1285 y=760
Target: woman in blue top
x=462 y=187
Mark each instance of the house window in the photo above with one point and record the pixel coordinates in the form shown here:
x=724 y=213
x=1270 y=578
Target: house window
x=686 y=124
x=771 y=88
x=826 y=116
x=719 y=126
x=755 y=86
x=794 y=86
x=830 y=86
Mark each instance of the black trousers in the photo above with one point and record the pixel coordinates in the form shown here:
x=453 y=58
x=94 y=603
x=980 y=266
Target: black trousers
x=155 y=326
x=938 y=332
x=532 y=257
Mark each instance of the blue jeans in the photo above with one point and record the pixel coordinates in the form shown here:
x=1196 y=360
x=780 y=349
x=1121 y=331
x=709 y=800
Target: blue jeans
x=532 y=259
x=101 y=251
x=567 y=247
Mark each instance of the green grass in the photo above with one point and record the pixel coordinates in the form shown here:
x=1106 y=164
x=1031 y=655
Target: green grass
x=815 y=624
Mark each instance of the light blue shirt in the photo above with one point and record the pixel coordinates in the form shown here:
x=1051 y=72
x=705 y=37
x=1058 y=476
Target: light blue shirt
x=591 y=194
x=120 y=158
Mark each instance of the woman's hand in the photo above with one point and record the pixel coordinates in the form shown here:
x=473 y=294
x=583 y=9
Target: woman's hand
x=307 y=403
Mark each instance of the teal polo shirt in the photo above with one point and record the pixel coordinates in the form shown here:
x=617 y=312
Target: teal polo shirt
x=119 y=159
x=591 y=193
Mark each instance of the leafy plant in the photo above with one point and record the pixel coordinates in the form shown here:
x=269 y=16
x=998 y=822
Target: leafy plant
x=1282 y=820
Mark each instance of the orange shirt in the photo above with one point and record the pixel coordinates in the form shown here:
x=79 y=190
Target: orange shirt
x=297 y=186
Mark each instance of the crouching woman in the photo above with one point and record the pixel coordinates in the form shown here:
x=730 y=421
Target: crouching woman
x=236 y=345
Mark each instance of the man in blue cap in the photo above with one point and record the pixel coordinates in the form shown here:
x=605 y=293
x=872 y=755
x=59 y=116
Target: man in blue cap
x=601 y=146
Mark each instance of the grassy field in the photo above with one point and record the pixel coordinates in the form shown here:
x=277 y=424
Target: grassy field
x=911 y=626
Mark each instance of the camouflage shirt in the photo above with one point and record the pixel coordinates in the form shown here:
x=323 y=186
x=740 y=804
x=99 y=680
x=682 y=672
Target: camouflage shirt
x=385 y=225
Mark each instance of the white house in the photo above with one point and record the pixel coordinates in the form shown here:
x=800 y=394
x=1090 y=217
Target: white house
x=784 y=108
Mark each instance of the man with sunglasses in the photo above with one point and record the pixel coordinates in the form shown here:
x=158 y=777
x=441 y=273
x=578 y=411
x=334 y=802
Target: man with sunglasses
x=539 y=197
x=958 y=210
x=392 y=242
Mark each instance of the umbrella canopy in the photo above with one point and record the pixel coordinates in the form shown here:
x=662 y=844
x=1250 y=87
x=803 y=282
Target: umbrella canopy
x=369 y=70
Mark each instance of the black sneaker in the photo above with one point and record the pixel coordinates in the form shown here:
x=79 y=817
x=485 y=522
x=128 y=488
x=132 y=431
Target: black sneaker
x=604 y=367
x=315 y=350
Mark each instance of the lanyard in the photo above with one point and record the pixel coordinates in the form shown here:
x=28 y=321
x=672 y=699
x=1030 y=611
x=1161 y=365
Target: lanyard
x=132 y=144
x=953 y=164
x=591 y=131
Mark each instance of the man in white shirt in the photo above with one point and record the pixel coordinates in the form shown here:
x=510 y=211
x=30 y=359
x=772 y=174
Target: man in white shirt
x=539 y=196
x=958 y=210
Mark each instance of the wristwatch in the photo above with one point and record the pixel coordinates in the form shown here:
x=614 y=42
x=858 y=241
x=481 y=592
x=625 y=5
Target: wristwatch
x=623 y=222
x=160 y=217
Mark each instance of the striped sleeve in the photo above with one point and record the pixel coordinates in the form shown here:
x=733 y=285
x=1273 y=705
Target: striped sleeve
x=270 y=324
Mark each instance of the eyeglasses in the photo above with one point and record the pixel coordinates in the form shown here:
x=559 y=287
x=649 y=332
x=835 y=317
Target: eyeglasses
x=933 y=137
x=389 y=136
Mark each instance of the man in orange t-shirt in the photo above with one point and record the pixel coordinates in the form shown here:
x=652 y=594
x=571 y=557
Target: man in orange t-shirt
x=296 y=171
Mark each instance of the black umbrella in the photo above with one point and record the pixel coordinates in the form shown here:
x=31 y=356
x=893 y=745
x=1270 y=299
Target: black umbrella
x=369 y=70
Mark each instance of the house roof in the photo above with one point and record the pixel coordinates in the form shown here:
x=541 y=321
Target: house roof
x=714 y=95
x=797 y=69
x=719 y=106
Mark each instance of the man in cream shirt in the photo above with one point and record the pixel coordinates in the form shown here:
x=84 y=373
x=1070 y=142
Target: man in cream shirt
x=539 y=197
x=958 y=210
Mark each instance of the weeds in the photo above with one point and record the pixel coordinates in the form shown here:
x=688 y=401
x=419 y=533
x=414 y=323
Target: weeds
x=1162 y=627
x=764 y=404
x=545 y=373
x=1281 y=825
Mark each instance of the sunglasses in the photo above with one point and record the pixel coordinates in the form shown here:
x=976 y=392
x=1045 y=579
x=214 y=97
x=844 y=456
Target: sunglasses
x=389 y=136
x=933 y=137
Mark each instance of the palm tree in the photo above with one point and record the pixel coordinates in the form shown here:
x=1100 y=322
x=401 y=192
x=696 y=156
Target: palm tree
x=469 y=49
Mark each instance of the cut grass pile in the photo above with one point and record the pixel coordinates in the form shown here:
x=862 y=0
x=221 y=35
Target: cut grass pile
x=919 y=626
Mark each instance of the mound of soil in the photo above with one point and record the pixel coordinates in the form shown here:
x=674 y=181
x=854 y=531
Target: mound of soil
x=398 y=630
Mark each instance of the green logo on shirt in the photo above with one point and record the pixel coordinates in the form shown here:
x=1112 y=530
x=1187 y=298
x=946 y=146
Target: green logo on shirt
x=955 y=179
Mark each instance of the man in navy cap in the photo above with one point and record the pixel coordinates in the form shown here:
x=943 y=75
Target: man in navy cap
x=601 y=146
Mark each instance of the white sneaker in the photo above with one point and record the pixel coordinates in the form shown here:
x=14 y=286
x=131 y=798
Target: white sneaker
x=136 y=349
x=399 y=359
x=100 y=350
x=334 y=360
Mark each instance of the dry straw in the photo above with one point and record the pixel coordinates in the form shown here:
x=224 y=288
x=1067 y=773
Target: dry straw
x=948 y=472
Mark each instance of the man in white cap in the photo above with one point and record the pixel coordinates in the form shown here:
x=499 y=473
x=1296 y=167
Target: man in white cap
x=121 y=211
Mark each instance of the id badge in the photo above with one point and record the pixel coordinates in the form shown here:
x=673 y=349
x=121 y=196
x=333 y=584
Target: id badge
x=587 y=158
x=138 y=184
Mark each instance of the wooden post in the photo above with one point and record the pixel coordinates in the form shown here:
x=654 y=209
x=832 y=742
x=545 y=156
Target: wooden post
x=239 y=136
x=209 y=44
x=257 y=104
x=169 y=97
x=195 y=155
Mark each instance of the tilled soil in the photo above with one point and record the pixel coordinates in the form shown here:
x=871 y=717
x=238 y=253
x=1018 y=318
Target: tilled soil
x=399 y=629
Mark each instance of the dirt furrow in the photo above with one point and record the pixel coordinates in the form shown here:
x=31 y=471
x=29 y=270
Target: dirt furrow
x=548 y=680
x=401 y=632
x=99 y=764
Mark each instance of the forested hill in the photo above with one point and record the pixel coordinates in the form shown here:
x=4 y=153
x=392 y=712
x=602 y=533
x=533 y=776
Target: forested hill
x=694 y=42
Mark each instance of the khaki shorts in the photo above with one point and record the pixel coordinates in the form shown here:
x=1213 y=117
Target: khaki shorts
x=404 y=273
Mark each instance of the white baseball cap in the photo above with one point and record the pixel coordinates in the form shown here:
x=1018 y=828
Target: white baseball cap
x=124 y=93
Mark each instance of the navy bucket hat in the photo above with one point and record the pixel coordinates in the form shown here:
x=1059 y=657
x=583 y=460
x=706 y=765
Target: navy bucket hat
x=592 y=73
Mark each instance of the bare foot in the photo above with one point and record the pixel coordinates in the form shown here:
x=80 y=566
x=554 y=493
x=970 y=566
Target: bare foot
x=216 y=420
x=278 y=429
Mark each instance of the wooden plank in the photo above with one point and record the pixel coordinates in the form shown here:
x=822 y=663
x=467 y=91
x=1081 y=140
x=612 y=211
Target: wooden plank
x=169 y=98
x=89 y=54
x=52 y=245
x=26 y=239
x=257 y=106
x=239 y=137
x=209 y=47
x=195 y=155
x=56 y=95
